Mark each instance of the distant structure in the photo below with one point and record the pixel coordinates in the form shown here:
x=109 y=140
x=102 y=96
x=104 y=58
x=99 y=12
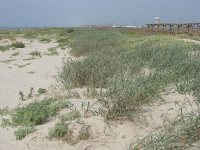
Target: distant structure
x=189 y=27
x=173 y=27
x=157 y=20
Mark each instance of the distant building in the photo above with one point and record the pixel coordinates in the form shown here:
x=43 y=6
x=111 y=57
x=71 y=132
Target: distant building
x=157 y=20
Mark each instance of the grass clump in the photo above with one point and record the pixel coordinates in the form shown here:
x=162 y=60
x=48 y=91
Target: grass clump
x=42 y=91
x=31 y=72
x=18 y=45
x=21 y=96
x=8 y=61
x=46 y=40
x=64 y=41
x=4 y=111
x=21 y=133
x=35 y=54
x=70 y=30
x=65 y=32
x=70 y=116
x=37 y=113
x=52 y=51
x=27 y=59
x=22 y=66
x=33 y=114
x=181 y=134
x=5 y=48
x=126 y=95
x=60 y=130
x=30 y=94
x=89 y=41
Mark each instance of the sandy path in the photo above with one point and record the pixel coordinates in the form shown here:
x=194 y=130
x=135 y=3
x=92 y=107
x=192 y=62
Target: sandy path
x=192 y=41
x=14 y=79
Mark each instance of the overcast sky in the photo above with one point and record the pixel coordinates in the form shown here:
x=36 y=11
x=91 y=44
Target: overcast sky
x=79 y=12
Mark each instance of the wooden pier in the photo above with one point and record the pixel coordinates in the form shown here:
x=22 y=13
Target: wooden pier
x=172 y=27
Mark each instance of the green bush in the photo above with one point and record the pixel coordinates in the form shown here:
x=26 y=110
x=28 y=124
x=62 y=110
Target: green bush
x=52 y=51
x=21 y=133
x=28 y=116
x=37 y=113
x=18 y=45
x=60 y=130
x=70 y=116
x=44 y=39
x=70 y=30
x=42 y=91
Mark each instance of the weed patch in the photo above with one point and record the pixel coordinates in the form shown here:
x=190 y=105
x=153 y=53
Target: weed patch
x=18 y=45
x=181 y=134
x=35 y=54
x=60 y=130
x=21 y=133
x=33 y=114
x=42 y=91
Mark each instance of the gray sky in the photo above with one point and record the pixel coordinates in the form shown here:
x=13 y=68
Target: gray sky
x=78 y=12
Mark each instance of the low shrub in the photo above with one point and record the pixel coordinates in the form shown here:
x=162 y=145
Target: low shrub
x=70 y=116
x=52 y=51
x=21 y=133
x=46 y=40
x=18 y=45
x=60 y=130
x=5 y=48
x=42 y=91
x=35 y=54
x=37 y=113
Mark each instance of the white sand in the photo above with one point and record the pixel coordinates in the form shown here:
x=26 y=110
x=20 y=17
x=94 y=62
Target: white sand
x=15 y=79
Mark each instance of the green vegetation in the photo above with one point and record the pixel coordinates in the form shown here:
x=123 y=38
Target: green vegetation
x=42 y=91
x=180 y=134
x=4 y=111
x=14 y=45
x=70 y=116
x=70 y=30
x=4 y=48
x=8 y=61
x=116 y=61
x=21 y=94
x=129 y=70
x=46 y=40
x=18 y=45
x=31 y=72
x=60 y=130
x=36 y=113
x=27 y=59
x=31 y=92
x=52 y=51
x=22 y=66
x=21 y=133
x=35 y=54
